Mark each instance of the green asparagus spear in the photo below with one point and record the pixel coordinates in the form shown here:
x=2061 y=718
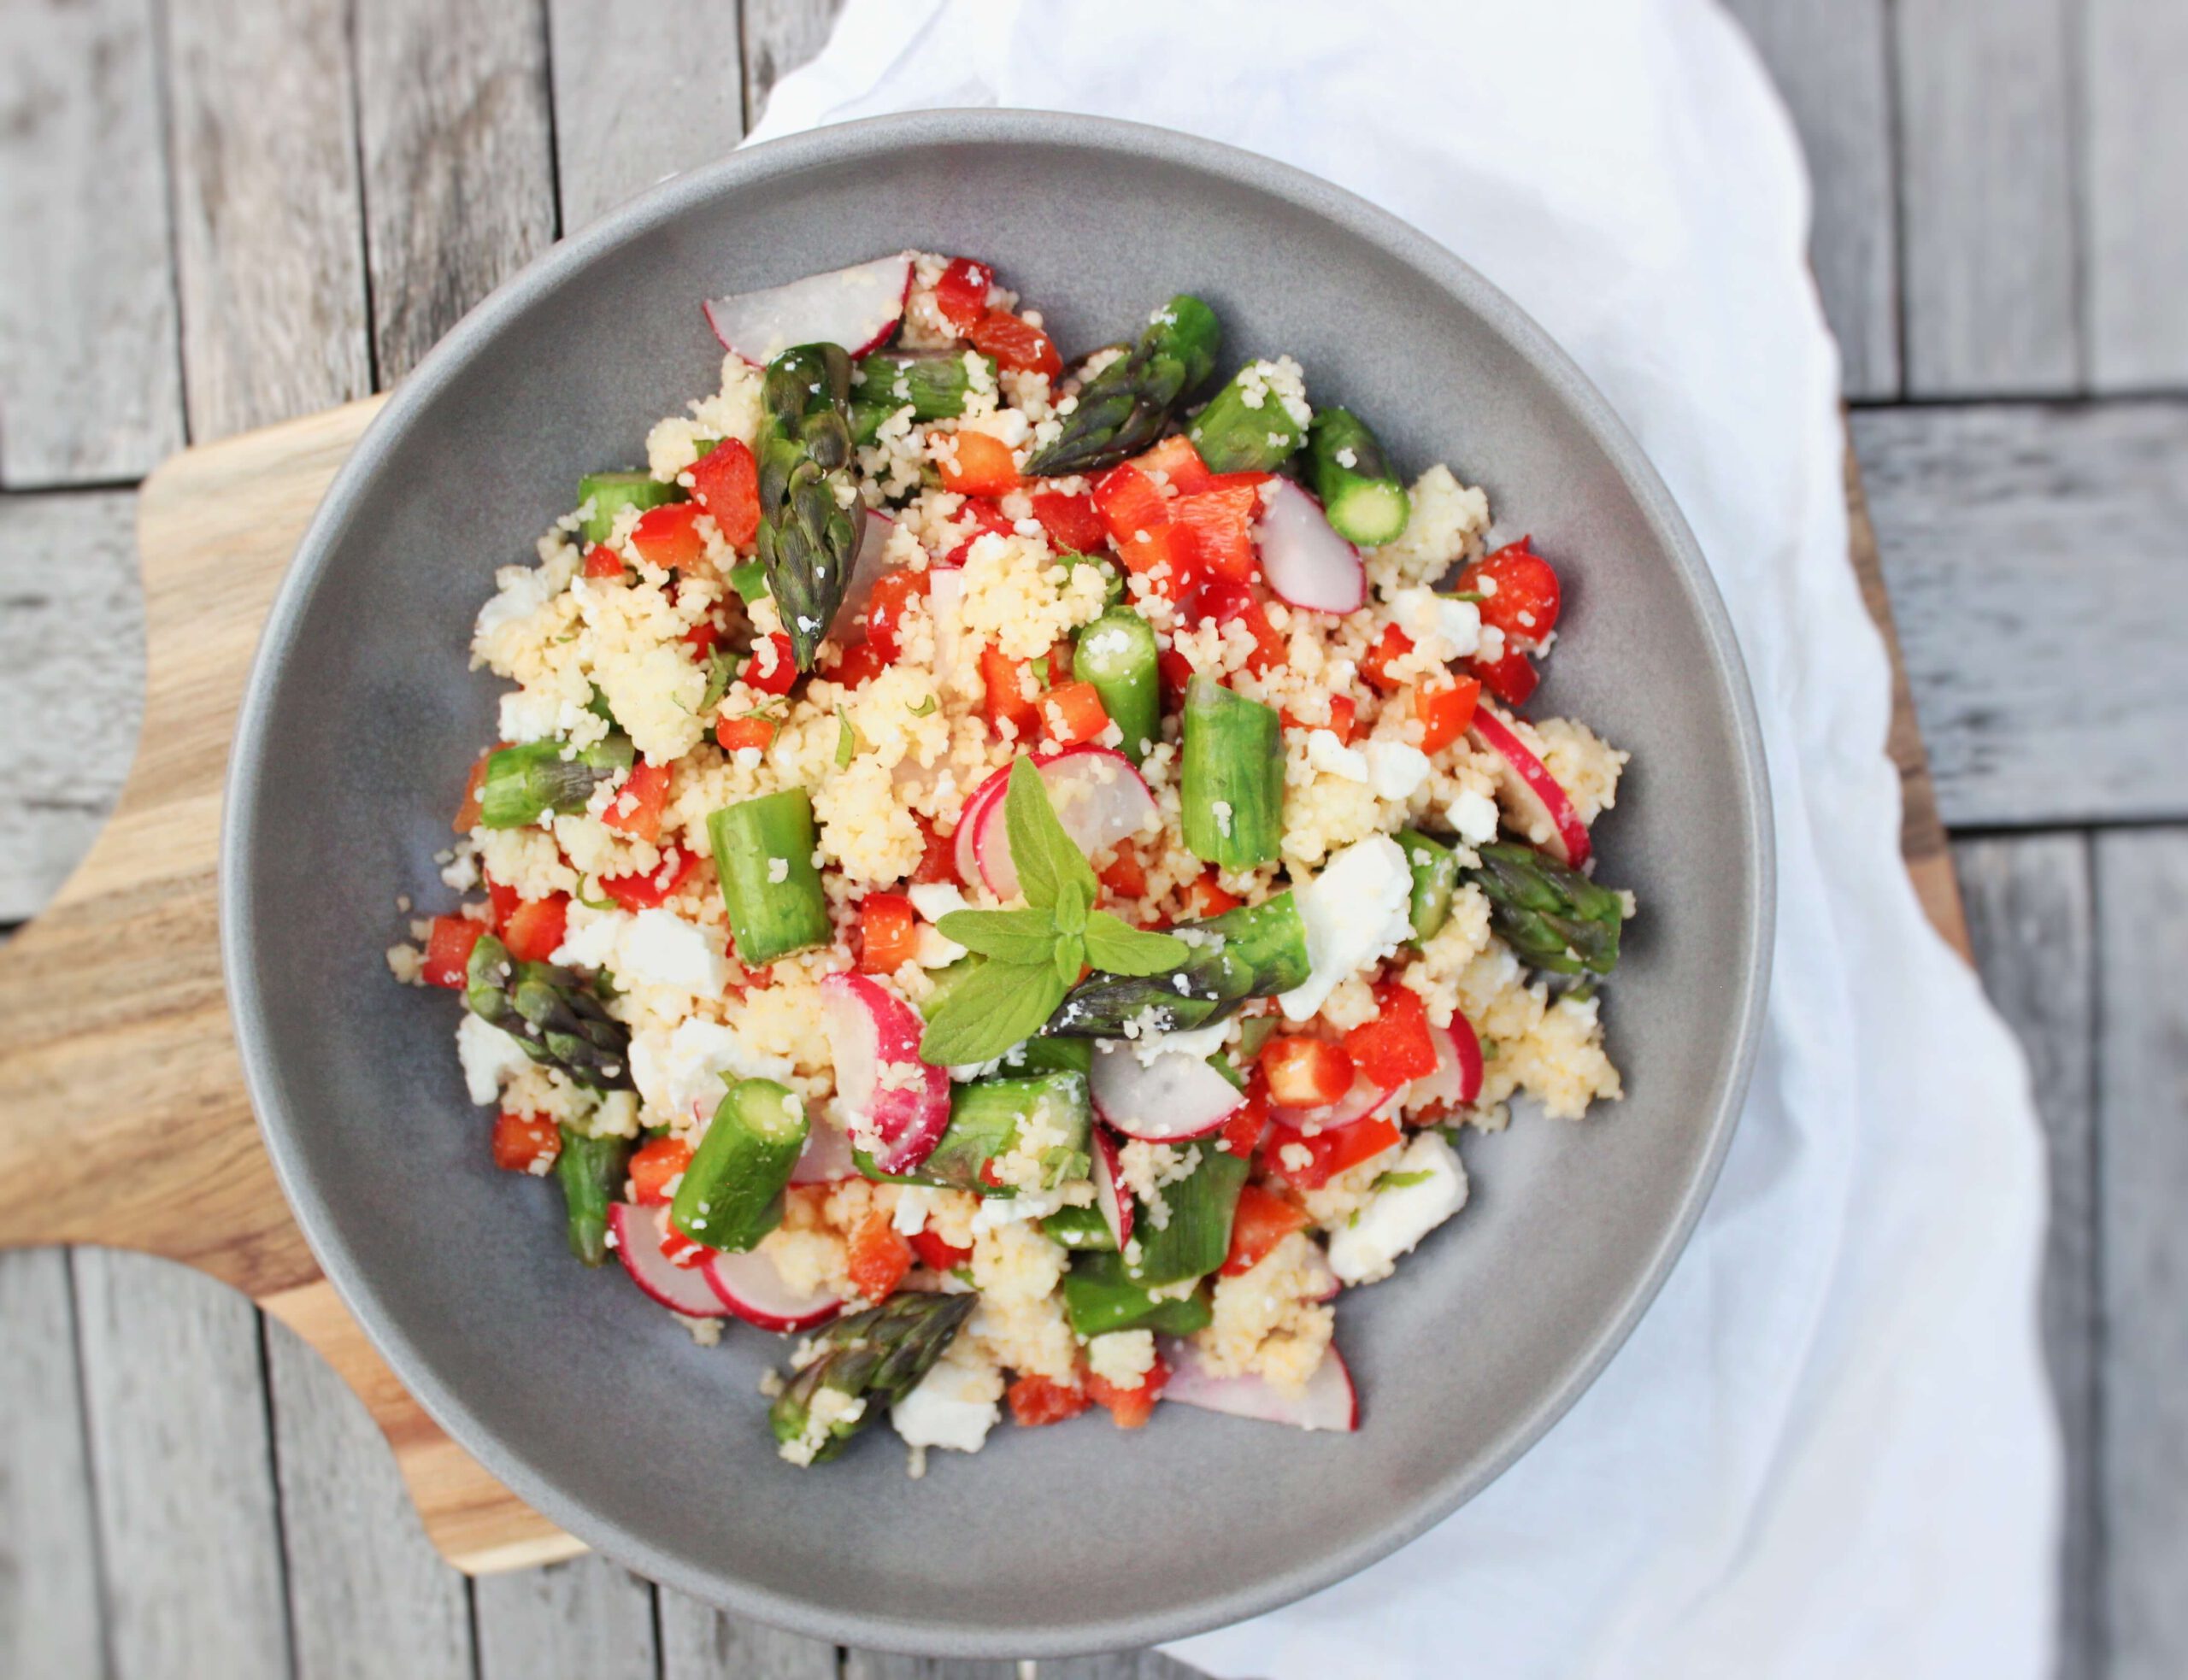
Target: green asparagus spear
x=986 y=1116
x=807 y=535
x=589 y=1171
x=1045 y=1055
x=1364 y=499
x=1257 y=950
x=763 y=857
x=551 y=1013
x=749 y=580
x=1116 y=653
x=733 y=1191
x=1552 y=917
x=611 y=492
x=1435 y=873
x=1255 y=423
x=524 y=783
x=933 y=383
x=1100 y=1295
x=1123 y=408
x=1079 y=1228
x=1195 y=1238
x=861 y=1364
x=1231 y=791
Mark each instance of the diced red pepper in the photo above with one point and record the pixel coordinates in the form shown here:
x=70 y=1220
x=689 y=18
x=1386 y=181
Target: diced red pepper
x=888 y=933
x=725 y=481
x=1512 y=678
x=500 y=902
x=1393 y=645
x=636 y=808
x=669 y=536
x=735 y=734
x=1132 y=1406
x=1222 y=523
x=1125 y=876
x=1522 y=590
x=1220 y=601
x=1305 y=1072
x=893 y=594
x=1176 y=672
x=1242 y=1133
x=773 y=665
x=1015 y=344
x=1445 y=710
x=942 y=1256
x=1007 y=700
x=534 y=930
x=985 y=515
x=656 y=1165
x=1129 y=503
x=1178 y=463
x=526 y=1143
x=879 y=1257
x=1259 y=1222
x=602 y=561
x=467 y=814
x=1343 y=716
x=979 y=465
x=937 y=857
x=1396 y=1047
x=677 y=871
x=1206 y=897
x=857 y=665
x=1035 y=1401
x=1335 y=1151
x=679 y=1249
x=1167 y=556
x=1073 y=524
x=448 y=950
x=961 y=296
x=1073 y=713
x=701 y=637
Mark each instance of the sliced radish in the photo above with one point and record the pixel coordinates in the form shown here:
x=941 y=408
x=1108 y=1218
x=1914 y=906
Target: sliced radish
x=1360 y=1101
x=827 y=1158
x=1327 y=1284
x=857 y=308
x=1544 y=815
x=681 y=1289
x=1456 y=1081
x=1097 y=796
x=865 y=566
x=1306 y=562
x=964 y=849
x=894 y=1098
x=749 y=1285
x=1171 y=1096
x=1329 y=1401
x=1111 y=1197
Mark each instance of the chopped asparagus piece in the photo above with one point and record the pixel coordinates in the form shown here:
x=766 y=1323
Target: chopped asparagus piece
x=1364 y=499
x=1552 y=917
x=589 y=1171
x=1079 y=1228
x=763 y=856
x=985 y=1119
x=611 y=492
x=869 y=1360
x=808 y=536
x=1231 y=785
x=1123 y=408
x=1116 y=653
x=1435 y=874
x=934 y=384
x=1257 y=950
x=523 y=784
x=551 y=1013
x=1101 y=1295
x=733 y=1191
x=1245 y=427
x=1195 y=1238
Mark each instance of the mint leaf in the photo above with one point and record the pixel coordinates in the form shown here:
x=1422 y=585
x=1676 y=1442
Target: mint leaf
x=991 y=1009
x=1044 y=856
x=1007 y=935
x=1122 y=949
x=1072 y=901
x=1068 y=958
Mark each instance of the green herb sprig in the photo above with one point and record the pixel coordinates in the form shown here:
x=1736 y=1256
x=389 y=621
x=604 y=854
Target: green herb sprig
x=1033 y=957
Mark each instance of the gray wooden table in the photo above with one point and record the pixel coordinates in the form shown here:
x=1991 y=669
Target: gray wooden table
x=222 y=213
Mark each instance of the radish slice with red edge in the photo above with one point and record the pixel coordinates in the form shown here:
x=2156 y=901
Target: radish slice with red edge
x=1361 y=1099
x=1329 y=1401
x=1544 y=814
x=681 y=1289
x=1111 y=1197
x=1098 y=796
x=1327 y=1284
x=1304 y=561
x=749 y=1285
x=893 y=1096
x=866 y=567
x=963 y=850
x=827 y=1158
x=1169 y=1097
x=857 y=308
x=1456 y=1081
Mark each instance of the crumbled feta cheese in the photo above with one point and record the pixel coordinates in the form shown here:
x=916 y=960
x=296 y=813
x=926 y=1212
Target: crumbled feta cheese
x=661 y=948
x=955 y=1406
x=1474 y=816
x=679 y=1072
x=489 y=1056
x=1326 y=753
x=1425 y=1186
x=1356 y=911
x=1395 y=769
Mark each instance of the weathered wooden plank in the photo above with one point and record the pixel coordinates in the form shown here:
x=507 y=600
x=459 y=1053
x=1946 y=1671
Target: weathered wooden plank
x=173 y=1389
x=369 y=1596
x=1987 y=192
x=887 y=1665
x=2032 y=924
x=780 y=35
x=1831 y=63
x=2133 y=57
x=2038 y=558
x=2142 y=896
x=452 y=119
x=89 y=378
x=1127 y=1665
x=71 y=656
x=627 y=112
x=270 y=266
x=699 y=1642
x=49 y=1611
x=587 y=1617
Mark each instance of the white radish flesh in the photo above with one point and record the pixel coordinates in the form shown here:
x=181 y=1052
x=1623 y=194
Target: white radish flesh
x=964 y=848
x=865 y=566
x=1113 y=1200
x=895 y=1100
x=749 y=1285
x=826 y=1159
x=1456 y=1081
x=1306 y=563
x=1328 y=1402
x=1361 y=1099
x=1098 y=796
x=1545 y=816
x=1166 y=1099
x=857 y=308
x=681 y=1289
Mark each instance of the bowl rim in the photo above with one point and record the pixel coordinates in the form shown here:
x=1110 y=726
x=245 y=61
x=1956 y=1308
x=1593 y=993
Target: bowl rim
x=1123 y=142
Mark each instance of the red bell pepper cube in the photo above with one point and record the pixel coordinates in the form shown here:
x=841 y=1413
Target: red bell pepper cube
x=726 y=482
x=448 y=950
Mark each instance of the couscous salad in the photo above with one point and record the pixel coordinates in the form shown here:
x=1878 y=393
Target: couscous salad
x=1016 y=871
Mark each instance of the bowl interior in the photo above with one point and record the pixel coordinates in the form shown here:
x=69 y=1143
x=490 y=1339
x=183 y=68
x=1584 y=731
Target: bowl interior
x=362 y=720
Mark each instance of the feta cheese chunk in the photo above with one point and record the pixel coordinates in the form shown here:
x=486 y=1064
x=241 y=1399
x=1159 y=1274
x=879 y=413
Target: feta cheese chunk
x=953 y=1406
x=1395 y=769
x=661 y=948
x=1332 y=756
x=489 y=1056
x=680 y=1072
x=1474 y=816
x=1358 y=912
x=1426 y=1187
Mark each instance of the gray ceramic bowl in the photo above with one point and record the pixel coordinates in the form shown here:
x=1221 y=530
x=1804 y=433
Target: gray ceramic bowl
x=362 y=719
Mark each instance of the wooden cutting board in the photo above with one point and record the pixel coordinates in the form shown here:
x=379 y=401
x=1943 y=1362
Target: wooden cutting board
x=119 y=1029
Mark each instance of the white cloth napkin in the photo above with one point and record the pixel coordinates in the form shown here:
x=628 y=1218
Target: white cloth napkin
x=1827 y=1450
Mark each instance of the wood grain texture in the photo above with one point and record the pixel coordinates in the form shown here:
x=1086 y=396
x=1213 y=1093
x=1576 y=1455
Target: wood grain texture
x=888 y=1665
x=608 y=148
x=369 y=1596
x=1832 y=65
x=780 y=35
x=72 y=652
x=587 y=1616
x=49 y=1610
x=269 y=258
x=699 y=1642
x=2030 y=914
x=2038 y=558
x=2134 y=55
x=453 y=123
x=89 y=380
x=2142 y=896
x=1986 y=180
x=181 y=1460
